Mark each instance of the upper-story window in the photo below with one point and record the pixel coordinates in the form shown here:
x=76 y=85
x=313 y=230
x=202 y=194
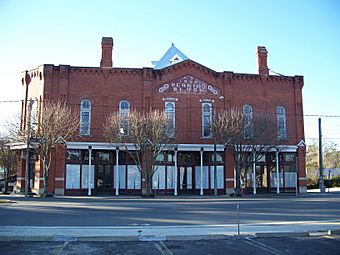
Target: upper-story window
x=248 y=121
x=124 y=110
x=206 y=120
x=170 y=118
x=85 y=117
x=281 y=122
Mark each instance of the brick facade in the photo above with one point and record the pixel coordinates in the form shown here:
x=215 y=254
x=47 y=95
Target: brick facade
x=148 y=88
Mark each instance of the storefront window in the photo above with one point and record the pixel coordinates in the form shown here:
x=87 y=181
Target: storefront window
x=72 y=176
x=220 y=177
x=170 y=170
x=134 y=177
x=205 y=177
x=85 y=175
x=290 y=176
x=158 y=178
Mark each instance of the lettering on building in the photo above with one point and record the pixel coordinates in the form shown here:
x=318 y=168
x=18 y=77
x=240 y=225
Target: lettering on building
x=188 y=85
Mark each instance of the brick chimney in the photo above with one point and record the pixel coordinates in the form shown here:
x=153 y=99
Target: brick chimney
x=107 y=44
x=262 y=60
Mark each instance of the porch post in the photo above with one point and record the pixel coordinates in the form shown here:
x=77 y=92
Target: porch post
x=277 y=172
x=117 y=172
x=175 y=174
x=254 y=172
x=201 y=190
x=89 y=171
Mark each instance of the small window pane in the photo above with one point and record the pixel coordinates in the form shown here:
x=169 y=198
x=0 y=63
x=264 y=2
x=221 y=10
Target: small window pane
x=73 y=155
x=103 y=156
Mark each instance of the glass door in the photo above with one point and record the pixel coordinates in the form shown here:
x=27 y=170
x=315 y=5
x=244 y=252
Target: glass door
x=185 y=180
x=104 y=180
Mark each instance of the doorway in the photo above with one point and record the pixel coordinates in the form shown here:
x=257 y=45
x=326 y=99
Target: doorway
x=104 y=180
x=185 y=180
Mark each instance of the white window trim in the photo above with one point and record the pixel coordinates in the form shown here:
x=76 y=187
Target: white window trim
x=82 y=110
x=248 y=119
x=124 y=112
x=171 y=133
x=281 y=117
x=210 y=119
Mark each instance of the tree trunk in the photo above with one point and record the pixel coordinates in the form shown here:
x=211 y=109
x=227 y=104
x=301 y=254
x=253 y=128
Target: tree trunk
x=148 y=186
x=6 y=181
x=237 y=172
x=45 y=178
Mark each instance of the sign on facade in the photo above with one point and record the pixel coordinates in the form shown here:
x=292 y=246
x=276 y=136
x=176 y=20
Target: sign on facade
x=188 y=85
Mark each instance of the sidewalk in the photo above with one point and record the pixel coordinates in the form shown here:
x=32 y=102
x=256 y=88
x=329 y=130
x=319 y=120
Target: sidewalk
x=163 y=233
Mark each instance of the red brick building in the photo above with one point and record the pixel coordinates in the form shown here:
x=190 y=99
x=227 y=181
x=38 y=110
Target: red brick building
x=190 y=92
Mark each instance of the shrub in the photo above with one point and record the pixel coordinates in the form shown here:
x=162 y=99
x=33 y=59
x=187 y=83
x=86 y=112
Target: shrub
x=336 y=181
x=312 y=183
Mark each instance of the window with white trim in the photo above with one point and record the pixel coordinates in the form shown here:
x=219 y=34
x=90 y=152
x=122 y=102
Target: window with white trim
x=281 y=122
x=206 y=120
x=85 y=117
x=124 y=110
x=170 y=115
x=248 y=121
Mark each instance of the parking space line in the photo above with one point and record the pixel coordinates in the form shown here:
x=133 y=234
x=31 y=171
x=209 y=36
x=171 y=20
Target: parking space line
x=61 y=248
x=163 y=249
x=264 y=247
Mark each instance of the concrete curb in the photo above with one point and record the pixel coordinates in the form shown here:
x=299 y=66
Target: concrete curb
x=6 y=201
x=157 y=238
x=299 y=234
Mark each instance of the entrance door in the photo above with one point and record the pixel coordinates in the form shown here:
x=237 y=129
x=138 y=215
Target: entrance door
x=104 y=179
x=185 y=180
x=261 y=178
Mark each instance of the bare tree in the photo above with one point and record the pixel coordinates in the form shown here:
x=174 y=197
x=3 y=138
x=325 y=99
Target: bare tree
x=57 y=124
x=261 y=139
x=229 y=127
x=147 y=133
x=249 y=139
x=8 y=159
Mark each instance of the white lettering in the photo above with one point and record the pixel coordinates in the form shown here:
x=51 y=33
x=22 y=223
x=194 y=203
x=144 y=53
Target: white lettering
x=189 y=84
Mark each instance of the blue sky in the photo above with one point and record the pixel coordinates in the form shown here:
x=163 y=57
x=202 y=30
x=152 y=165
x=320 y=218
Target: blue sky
x=302 y=38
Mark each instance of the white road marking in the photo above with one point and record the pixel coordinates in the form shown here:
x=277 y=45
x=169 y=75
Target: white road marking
x=264 y=247
x=163 y=249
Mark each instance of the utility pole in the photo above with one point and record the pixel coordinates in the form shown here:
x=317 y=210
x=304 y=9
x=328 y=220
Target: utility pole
x=321 y=182
x=28 y=147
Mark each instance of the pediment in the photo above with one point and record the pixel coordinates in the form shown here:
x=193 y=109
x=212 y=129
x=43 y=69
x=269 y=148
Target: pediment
x=188 y=84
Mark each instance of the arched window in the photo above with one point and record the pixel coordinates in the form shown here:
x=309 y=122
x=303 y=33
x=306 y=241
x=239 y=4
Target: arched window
x=281 y=122
x=170 y=118
x=206 y=120
x=248 y=121
x=85 y=117
x=124 y=110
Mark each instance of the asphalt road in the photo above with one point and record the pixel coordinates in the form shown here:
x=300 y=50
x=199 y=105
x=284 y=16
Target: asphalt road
x=230 y=245
x=110 y=211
